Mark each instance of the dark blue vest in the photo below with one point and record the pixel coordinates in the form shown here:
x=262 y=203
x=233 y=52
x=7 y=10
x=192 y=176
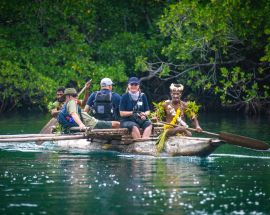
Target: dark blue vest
x=65 y=119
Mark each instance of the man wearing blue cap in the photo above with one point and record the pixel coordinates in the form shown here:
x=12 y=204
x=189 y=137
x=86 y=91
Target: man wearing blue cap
x=134 y=110
x=104 y=104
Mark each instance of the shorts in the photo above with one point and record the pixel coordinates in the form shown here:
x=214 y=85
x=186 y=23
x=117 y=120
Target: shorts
x=130 y=124
x=103 y=124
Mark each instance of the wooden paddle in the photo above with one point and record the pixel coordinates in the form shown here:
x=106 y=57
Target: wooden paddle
x=47 y=129
x=233 y=139
x=83 y=89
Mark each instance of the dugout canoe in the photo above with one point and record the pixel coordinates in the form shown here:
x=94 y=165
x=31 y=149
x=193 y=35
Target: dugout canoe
x=119 y=140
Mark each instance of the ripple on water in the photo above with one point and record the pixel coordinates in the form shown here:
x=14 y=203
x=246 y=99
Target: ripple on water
x=213 y=156
x=27 y=147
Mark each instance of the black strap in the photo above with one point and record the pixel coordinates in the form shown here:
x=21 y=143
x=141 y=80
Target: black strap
x=139 y=97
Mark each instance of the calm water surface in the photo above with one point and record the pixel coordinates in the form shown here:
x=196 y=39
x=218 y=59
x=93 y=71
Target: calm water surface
x=43 y=180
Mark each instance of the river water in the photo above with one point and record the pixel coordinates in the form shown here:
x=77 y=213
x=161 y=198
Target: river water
x=42 y=180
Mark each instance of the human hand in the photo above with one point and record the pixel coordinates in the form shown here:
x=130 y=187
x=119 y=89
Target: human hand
x=82 y=127
x=198 y=129
x=142 y=115
x=188 y=133
x=154 y=119
x=88 y=84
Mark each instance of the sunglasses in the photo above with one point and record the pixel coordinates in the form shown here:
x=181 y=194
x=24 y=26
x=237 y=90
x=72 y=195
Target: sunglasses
x=134 y=84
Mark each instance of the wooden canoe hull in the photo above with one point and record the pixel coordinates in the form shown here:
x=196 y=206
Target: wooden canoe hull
x=174 y=146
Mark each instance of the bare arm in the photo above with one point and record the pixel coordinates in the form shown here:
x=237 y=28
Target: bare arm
x=85 y=99
x=86 y=108
x=78 y=120
x=196 y=124
x=54 y=112
x=144 y=115
x=86 y=93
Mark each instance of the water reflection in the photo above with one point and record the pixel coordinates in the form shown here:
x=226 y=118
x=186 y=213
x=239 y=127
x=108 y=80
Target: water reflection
x=110 y=183
x=145 y=183
x=166 y=185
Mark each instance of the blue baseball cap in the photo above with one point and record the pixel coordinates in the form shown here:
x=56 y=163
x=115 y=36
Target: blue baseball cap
x=133 y=80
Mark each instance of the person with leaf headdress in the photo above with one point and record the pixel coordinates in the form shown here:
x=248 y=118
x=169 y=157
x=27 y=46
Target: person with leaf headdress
x=174 y=112
x=177 y=110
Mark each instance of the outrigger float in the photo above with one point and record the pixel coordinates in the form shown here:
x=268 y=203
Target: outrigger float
x=121 y=141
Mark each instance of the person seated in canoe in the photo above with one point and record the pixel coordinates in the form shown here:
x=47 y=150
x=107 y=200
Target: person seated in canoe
x=54 y=107
x=134 y=110
x=175 y=112
x=71 y=115
x=104 y=104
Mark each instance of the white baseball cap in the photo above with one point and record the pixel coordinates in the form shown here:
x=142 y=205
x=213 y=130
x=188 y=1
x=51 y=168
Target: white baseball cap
x=106 y=82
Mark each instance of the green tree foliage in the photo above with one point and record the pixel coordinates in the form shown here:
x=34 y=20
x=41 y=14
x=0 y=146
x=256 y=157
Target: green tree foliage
x=217 y=48
x=126 y=47
x=47 y=43
x=207 y=38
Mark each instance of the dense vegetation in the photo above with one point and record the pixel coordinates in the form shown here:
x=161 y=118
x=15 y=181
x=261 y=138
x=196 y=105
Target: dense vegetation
x=220 y=50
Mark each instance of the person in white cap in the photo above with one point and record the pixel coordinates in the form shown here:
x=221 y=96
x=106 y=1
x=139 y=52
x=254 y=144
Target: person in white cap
x=104 y=104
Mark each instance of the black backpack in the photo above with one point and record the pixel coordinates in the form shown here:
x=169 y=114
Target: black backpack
x=103 y=107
